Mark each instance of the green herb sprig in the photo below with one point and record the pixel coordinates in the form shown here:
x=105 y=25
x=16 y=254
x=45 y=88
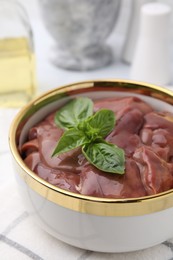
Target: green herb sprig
x=87 y=130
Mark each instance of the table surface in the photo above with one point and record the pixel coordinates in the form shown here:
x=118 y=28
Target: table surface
x=20 y=238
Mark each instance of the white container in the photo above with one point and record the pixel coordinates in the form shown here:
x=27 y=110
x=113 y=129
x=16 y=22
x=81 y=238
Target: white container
x=152 y=58
x=133 y=29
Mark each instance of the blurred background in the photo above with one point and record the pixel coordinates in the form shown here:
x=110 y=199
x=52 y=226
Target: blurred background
x=76 y=40
x=50 y=76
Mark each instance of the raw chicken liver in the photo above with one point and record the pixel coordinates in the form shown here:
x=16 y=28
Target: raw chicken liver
x=145 y=135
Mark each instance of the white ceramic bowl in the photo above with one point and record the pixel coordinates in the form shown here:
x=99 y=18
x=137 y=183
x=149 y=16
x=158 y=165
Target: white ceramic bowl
x=99 y=224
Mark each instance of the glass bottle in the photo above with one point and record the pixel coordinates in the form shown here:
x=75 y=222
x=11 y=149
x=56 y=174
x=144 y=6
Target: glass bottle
x=17 y=60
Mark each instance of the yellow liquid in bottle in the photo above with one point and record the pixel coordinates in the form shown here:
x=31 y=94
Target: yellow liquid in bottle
x=17 y=72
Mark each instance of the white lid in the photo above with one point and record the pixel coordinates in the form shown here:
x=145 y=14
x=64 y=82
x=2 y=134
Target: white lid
x=155 y=20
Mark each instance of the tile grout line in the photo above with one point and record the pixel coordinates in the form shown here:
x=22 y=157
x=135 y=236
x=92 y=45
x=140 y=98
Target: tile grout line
x=20 y=247
x=14 y=223
x=17 y=246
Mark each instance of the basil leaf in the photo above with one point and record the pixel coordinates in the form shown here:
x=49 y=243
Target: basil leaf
x=101 y=123
x=71 y=139
x=74 y=112
x=106 y=157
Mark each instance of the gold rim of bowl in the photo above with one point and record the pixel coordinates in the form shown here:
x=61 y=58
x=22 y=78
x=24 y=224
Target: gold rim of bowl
x=77 y=202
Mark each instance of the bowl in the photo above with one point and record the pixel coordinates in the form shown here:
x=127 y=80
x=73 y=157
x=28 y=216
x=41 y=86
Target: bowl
x=92 y=223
